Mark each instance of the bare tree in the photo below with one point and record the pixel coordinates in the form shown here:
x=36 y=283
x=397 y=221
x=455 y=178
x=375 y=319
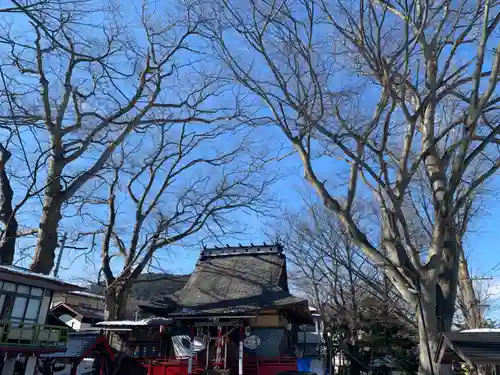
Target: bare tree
x=421 y=105
x=335 y=274
x=352 y=295
x=179 y=183
x=80 y=79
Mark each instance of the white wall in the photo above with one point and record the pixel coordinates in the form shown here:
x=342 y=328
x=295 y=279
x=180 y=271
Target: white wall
x=73 y=322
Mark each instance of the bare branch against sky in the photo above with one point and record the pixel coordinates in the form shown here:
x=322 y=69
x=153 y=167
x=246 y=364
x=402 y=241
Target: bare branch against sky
x=406 y=95
x=80 y=79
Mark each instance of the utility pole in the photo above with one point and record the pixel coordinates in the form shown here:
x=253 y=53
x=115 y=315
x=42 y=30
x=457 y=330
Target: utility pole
x=59 y=256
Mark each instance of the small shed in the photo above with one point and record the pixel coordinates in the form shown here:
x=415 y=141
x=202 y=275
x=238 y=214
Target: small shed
x=474 y=347
x=77 y=317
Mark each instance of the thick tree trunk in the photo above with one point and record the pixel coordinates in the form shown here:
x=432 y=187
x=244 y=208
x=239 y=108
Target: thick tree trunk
x=436 y=303
x=428 y=330
x=354 y=365
x=46 y=245
x=447 y=285
x=7 y=217
x=116 y=302
x=8 y=242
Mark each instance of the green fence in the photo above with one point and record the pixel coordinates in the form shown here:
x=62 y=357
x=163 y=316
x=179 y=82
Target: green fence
x=25 y=334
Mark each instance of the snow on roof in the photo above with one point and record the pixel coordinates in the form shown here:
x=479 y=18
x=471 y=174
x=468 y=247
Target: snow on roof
x=86 y=294
x=143 y=322
x=477 y=330
x=34 y=275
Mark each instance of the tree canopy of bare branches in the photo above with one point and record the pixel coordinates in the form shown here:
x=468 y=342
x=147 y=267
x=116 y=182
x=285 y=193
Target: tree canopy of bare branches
x=181 y=182
x=79 y=78
x=405 y=93
x=358 y=305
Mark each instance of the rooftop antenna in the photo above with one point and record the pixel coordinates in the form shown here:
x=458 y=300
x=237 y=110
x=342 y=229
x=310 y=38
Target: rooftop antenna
x=252 y=244
x=227 y=245
x=240 y=245
x=265 y=244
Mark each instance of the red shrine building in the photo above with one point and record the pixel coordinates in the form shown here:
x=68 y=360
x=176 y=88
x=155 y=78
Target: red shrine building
x=235 y=314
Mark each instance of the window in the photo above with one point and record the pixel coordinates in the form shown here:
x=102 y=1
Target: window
x=8 y=304
x=9 y=287
x=20 y=304
x=23 y=289
x=37 y=292
x=32 y=309
x=18 y=310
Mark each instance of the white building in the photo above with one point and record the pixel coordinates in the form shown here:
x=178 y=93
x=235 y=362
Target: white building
x=78 y=310
x=25 y=299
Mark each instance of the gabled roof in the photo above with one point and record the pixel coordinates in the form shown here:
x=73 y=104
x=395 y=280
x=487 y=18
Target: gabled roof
x=80 y=311
x=234 y=281
x=148 y=288
x=478 y=348
x=25 y=276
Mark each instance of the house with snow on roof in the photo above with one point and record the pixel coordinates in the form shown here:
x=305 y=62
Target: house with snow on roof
x=25 y=299
x=77 y=309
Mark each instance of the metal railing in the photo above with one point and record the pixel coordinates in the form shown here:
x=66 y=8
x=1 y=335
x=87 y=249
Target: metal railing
x=27 y=334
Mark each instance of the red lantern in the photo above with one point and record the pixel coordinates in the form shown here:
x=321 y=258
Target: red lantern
x=162 y=329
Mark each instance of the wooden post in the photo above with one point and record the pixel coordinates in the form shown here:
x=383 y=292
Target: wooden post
x=240 y=356
x=208 y=351
x=190 y=359
x=74 y=367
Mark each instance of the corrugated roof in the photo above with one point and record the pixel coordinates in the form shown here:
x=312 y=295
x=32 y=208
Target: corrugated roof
x=234 y=281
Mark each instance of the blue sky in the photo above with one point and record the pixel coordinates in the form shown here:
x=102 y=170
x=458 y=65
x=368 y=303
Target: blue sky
x=289 y=192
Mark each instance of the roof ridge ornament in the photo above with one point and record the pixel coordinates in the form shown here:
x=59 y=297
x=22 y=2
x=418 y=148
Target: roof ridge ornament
x=242 y=250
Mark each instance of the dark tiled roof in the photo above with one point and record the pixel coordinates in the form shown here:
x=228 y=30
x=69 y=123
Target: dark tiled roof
x=148 y=288
x=473 y=347
x=235 y=281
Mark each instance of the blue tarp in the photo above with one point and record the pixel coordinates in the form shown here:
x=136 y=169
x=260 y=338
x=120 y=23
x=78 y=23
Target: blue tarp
x=304 y=364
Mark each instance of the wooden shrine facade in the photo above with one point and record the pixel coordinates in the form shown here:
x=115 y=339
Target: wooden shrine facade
x=235 y=314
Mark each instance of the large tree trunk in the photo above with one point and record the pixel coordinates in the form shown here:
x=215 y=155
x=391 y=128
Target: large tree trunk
x=46 y=245
x=428 y=330
x=436 y=304
x=7 y=217
x=447 y=285
x=354 y=365
x=116 y=302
